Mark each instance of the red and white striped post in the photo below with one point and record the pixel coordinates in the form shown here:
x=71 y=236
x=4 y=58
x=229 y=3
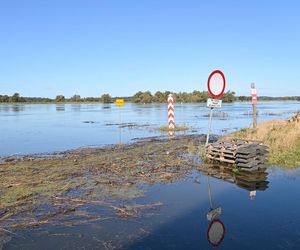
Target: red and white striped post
x=171 y=121
x=254 y=102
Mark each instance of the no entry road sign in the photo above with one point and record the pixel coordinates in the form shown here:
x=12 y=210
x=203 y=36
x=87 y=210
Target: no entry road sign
x=216 y=84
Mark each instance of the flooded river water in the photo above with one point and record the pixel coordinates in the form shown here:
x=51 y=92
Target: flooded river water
x=257 y=210
x=268 y=220
x=27 y=129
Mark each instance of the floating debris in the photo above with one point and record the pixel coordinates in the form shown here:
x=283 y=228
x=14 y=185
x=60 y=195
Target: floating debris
x=59 y=190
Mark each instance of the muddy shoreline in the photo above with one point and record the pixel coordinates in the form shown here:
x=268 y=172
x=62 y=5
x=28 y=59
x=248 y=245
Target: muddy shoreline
x=59 y=188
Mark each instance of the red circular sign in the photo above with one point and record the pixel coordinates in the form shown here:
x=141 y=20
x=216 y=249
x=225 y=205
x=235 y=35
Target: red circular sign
x=216 y=84
x=216 y=232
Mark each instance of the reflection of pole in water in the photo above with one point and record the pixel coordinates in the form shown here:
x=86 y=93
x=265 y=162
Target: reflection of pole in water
x=252 y=194
x=209 y=192
x=216 y=228
x=213 y=213
x=254 y=102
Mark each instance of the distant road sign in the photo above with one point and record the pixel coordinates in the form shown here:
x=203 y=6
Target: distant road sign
x=253 y=93
x=120 y=102
x=216 y=84
x=214 y=103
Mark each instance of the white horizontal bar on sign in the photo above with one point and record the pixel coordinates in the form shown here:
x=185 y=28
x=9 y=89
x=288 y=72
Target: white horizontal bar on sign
x=253 y=92
x=214 y=103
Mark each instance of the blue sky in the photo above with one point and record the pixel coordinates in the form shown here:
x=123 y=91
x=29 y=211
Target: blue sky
x=123 y=46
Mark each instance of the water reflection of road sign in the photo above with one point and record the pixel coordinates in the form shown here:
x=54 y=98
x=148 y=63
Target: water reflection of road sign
x=216 y=84
x=216 y=229
x=216 y=232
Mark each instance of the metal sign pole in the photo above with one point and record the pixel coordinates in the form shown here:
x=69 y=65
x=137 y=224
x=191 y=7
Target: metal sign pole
x=254 y=116
x=120 y=103
x=209 y=126
x=254 y=101
x=120 y=126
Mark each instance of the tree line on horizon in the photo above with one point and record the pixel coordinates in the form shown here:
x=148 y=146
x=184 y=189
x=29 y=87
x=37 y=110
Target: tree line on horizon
x=141 y=97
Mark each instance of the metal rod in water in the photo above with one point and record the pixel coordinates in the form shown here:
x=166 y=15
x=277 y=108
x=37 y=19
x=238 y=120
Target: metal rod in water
x=209 y=126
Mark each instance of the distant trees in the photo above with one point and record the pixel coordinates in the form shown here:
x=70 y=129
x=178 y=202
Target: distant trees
x=91 y=99
x=106 y=98
x=4 y=98
x=229 y=96
x=13 y=99
x=181 y=97
x=159 y=97
x=75 y=98
x=244 y=98
x=60 y=98
x=143 y=97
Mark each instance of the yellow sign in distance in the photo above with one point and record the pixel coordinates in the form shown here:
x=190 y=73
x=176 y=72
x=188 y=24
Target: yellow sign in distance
x=120 y=102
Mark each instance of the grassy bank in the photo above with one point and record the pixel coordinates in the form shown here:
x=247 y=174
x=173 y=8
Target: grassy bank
x=282 y=138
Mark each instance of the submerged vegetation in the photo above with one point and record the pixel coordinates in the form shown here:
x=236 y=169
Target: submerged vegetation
x=282 y=138
x=37 y=190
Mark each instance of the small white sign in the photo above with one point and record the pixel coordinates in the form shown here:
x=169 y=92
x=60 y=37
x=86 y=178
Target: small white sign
x=214 y=103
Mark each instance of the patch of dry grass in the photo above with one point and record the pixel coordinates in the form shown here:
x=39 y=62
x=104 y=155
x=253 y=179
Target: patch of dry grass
x=176 y=129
